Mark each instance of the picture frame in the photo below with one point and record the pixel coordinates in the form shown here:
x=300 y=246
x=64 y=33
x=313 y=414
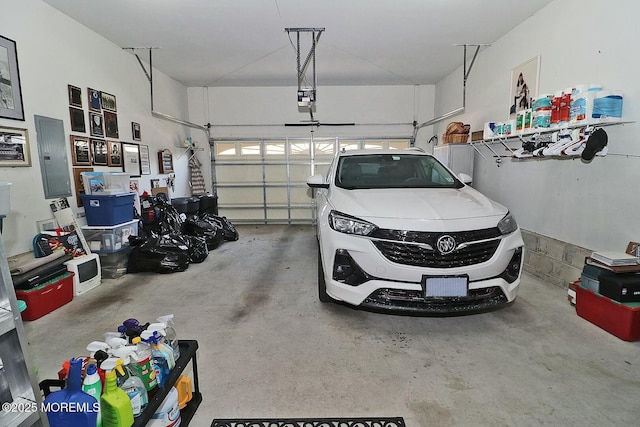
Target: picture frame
x=95 y=100
x=114 y=157
x=99 y=152
x=75 y=96
x=523 y=85
x=134 y=186
x=165 y=161
x=145 y=161
x=135 y=131
x=155 y=183
x=108 y=102
x=14 y=147
x=11 y=100
x=96 y=124
x=77 y=120
x=80 y=151
x=131 y=159
x=110 y=124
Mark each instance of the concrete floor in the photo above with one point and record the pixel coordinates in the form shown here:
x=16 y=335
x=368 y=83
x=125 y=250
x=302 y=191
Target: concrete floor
x=269 y=348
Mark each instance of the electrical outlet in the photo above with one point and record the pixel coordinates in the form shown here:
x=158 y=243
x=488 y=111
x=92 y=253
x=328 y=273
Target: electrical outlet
x=80 y=215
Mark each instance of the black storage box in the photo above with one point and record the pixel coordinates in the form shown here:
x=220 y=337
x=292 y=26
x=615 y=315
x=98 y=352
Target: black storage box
x=181 y=204
x=591 y=276
x=621 y=287
x=193 y=205
x=209 y=204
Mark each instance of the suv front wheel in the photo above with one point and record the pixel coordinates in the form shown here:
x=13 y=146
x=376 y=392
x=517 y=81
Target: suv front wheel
x=322 y=286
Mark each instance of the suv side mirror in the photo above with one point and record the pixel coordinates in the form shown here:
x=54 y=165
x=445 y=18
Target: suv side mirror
x=317 y=181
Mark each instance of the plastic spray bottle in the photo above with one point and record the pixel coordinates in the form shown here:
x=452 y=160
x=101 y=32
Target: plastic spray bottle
x=130 y=383
x=161 y=359
x=71 y=406
x=92 y=385
x=115 y=404
x=159 y=343
x=144 y=364
x=172 y=335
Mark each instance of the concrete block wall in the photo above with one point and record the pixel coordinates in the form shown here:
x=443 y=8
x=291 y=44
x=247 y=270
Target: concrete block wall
x=553 y=260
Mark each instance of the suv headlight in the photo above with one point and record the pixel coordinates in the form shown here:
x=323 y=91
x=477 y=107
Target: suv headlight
x=349 y=225
x=507 y=224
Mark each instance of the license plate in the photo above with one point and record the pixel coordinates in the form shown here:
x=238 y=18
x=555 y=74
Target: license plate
x=445 y=286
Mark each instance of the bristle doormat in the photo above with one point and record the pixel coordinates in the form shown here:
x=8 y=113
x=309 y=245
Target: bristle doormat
x=310 y=422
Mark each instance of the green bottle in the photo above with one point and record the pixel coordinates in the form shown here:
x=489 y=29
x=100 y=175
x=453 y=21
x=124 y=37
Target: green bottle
x=92 y=385
x=115 y=405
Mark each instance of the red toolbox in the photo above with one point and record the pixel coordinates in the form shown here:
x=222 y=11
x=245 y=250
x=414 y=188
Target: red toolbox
x=619 y=319
x=46 y=298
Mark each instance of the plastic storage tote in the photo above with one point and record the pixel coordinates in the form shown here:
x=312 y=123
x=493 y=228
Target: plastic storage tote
x=108 y=210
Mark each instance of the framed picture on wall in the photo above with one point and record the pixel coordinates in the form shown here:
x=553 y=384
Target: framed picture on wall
x=95 y=101
x=99 y=152
x=135 y=131
x=11 y=100
x=96 y=124
x=145 y=162
x=77 y=120
x=75 y=96
x=131 y=159
x=80 y=151
x=523 y=86
x=115 y=153
x=108 y=102
x=110 y=124
x=14 y=145
x=165 y=161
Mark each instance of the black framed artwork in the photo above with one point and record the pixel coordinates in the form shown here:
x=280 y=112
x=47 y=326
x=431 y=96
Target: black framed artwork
x=75 y=96
x=131 y=159
x=99 y=151
x=96 y=124
x=95 y=101
x=77 y=120
x=135 y=131
x=108 y=102
x=11 y=100
x=115 y=153
x=110 y=124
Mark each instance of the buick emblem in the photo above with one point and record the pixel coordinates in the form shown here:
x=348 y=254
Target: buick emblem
x=446 y=244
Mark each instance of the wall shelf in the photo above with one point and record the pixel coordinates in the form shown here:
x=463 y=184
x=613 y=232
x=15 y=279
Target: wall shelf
x=505 y=140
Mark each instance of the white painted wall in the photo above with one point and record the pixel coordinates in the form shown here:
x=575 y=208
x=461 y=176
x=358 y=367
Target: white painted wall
x=580 y=41
x=54 y=51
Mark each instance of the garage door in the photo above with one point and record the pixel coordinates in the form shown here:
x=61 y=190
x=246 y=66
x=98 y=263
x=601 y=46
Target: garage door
x=263 y=181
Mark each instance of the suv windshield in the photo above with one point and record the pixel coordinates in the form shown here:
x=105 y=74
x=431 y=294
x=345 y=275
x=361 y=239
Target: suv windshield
x=393 y=171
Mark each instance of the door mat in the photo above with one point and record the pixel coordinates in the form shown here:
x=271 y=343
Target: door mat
x=310 y=422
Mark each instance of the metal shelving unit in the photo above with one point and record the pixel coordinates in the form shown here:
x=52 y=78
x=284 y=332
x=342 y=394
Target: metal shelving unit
x=20 y=380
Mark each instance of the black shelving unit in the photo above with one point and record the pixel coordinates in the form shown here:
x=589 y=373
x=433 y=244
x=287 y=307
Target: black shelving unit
x=188 y=350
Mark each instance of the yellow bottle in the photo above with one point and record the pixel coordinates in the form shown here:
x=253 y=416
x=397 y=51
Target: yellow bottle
x=115 y=405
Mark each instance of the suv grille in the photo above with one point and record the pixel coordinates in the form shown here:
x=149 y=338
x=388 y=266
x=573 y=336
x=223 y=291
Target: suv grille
x=397 y=247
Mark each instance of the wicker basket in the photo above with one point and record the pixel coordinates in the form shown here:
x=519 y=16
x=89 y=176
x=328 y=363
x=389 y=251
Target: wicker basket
x=456 y=137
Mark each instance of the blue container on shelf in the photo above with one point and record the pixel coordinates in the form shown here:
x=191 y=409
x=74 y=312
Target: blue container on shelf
x=108 y=210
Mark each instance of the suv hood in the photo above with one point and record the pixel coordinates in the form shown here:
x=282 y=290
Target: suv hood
x=425 y=204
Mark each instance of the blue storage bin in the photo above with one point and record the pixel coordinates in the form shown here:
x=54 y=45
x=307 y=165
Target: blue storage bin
x=110 y=209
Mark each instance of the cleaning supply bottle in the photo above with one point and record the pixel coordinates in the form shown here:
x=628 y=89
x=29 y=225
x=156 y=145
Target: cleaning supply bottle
x=161 y=359
x=115 y=404
x=92 y=385
x=144 y=363
x=172 y=335
x=162 y=329
x=159 y=343
x=71 y=406
x=130 y=383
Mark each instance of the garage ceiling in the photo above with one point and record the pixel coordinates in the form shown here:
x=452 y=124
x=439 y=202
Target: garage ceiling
x=243 y=42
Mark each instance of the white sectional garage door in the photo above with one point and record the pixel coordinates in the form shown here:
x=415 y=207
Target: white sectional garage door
x=263 y=181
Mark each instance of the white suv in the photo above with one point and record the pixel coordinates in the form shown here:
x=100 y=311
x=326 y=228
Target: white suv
x=398 y=231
